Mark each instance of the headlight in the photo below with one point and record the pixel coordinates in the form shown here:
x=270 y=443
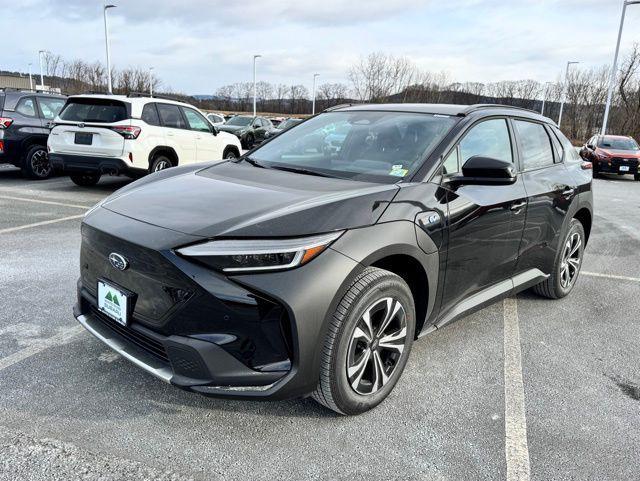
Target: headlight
x=259 y=254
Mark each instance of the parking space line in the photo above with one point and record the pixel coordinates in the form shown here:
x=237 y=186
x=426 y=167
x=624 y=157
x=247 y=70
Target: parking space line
x=516 y=447
x=50 y=202
x=610 y=276
x=57 y=340
x=37 y=224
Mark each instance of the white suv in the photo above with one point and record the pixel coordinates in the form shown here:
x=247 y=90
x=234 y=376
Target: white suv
x=115 y=134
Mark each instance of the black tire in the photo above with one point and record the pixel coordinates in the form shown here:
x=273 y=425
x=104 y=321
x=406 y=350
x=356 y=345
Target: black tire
x=36 y=163
x=636 y=177
x=230 y=153
x=85 y=180
x=249 y=141
x=372 y=288
x=160 y=162
x=554 y=286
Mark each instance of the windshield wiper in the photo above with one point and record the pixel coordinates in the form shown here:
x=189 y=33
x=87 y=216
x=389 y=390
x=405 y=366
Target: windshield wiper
x=302 y=170
x=251 y=161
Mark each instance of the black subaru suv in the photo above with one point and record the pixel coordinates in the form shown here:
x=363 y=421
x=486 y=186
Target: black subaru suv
x=24 y=129
x=250 y=130
x=300 y=270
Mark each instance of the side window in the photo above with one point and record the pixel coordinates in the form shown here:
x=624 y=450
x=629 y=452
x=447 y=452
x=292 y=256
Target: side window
x=196 y=121
x=49 y=107
x=534 y=143
x=571 y=153
x=557 y=149
x=26 y=106
x=170 y=116
x=487 y=139
x=451 y=164
x=150 y=114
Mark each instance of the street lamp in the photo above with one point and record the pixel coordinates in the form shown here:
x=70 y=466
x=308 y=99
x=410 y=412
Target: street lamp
x=254 y=83
x=313 y=102
x=614 y=67
x=544 y=99
x=106 y=41
x=565 y=90
x=150 y=81
x=30 y=77
x=40 y=53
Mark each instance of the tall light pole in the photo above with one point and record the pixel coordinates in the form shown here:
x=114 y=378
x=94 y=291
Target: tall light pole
x=106 y=41
x=614 y=67
x=40 y=53
x=30 y=77
x=565 y=90
x=544 y=98
x=313 y=102
x=151 y=81
x=255 y=57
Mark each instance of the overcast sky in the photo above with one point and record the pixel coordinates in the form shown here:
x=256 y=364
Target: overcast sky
x=198 y=45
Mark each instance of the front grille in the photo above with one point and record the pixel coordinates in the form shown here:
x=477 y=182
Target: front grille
x=618 y=161
x=141 y=340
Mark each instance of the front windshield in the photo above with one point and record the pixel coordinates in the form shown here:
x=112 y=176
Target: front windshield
x=240 y=121
x=362 y=145
x=618 y=144
x=287 y=124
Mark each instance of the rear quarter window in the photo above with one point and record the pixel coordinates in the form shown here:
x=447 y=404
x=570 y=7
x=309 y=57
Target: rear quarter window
x=94 y=110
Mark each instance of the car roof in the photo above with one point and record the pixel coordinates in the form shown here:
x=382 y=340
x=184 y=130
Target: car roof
x=445 y=109
x=132 y=100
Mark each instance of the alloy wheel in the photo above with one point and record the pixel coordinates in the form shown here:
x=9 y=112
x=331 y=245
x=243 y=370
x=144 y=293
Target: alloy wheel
x=570 y=265
x=40 y=165
x=163 y=164
x=377 y=343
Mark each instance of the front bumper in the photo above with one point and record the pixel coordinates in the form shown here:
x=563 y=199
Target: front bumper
x=246 y=336
x=83 y=164
x=616 y=166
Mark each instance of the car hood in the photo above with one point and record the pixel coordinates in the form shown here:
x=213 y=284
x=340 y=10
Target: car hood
x=239 y=200
x=233 y=128
x=629 y=154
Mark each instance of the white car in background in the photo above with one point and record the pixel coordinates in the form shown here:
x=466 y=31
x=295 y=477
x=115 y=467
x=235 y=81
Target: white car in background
x=115 y=134
x=216 y=119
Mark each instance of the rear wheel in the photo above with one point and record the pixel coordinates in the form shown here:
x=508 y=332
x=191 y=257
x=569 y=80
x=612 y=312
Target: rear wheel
x=160 y=162
x=36 y=163
x=567 y=264
x=636 y=177
x=230 y=154
x=85 y=180
x=367 y=344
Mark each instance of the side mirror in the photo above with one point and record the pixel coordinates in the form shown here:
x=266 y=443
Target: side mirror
x=214 y=130
x=591 y=146
x=486 y=171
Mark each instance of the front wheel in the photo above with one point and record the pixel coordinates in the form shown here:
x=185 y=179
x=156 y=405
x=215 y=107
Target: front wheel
x=249 y=141
x=567 y=264
x=367 y=344
x=85 y=180
x=36 y=163
x=230 y=154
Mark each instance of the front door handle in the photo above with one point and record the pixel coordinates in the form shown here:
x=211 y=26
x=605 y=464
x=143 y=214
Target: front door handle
x=516 y=206
x=568 y=192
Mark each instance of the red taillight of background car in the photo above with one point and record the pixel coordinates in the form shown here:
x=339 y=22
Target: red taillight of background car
x=1 y=146
x=127 y=131
x=5 y=122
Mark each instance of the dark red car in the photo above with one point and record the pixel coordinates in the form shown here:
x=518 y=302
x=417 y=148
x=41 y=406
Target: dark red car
x=612 y=154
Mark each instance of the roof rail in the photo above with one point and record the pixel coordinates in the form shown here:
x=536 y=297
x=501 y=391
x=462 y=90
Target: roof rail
x=473 y=108
x=339 y=106
x=38 y=91
x=154 y=96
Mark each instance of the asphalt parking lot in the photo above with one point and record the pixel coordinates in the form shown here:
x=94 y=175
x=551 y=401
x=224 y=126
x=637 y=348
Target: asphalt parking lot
x=525 y=389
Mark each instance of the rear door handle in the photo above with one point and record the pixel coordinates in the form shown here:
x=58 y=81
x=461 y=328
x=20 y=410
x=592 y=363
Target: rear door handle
x=518 y=205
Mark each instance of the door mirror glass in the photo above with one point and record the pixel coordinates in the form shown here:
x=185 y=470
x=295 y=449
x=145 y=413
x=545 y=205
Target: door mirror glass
x=480 y=170
x=591 y=146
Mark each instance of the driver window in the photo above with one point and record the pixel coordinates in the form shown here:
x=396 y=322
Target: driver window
x=487 y=139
